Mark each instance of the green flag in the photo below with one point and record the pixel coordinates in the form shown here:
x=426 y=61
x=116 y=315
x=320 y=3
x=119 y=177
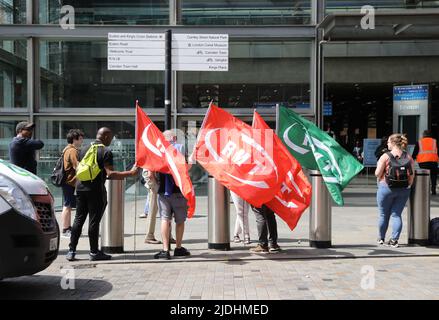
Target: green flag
x=316 y=150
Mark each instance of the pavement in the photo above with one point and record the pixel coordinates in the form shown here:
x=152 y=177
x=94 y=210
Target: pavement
x=355 y=267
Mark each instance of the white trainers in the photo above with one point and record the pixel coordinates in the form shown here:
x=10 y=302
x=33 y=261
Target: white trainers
x=66 y=234
x=143 y=215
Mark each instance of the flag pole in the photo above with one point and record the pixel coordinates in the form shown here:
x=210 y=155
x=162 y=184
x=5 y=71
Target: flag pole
x=135 y=179
x=277 y=119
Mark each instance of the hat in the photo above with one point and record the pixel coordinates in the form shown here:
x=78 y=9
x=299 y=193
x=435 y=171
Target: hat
x=24 y=125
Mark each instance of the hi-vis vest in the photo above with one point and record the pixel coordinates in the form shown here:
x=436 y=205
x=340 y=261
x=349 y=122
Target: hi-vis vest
x=427 y=150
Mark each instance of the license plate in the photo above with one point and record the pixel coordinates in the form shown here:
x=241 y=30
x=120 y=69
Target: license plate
x=53 y=245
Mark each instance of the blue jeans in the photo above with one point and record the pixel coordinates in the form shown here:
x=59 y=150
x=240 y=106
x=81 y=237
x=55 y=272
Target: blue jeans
x=391 y=202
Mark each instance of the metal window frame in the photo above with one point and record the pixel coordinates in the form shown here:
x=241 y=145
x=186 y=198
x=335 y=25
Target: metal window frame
x=34 y=33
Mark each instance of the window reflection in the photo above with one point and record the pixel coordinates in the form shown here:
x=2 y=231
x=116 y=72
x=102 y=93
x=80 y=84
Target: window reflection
x=245 y=12
x=13 y=74
x=261 y=74
x=75 y=75
x=127 y=12
x=7 y=132
x=12 y=11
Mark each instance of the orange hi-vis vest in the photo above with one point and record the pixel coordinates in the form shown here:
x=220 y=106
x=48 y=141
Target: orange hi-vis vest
x=427 y=150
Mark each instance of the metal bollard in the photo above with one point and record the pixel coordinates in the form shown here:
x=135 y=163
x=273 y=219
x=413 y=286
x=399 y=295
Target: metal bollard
x=112 y=232
x=320 y=213
x=419 y=209
x=218 y=216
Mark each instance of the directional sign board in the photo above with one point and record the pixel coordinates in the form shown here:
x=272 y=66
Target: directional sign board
x=146 y=51
x=200 y=52
x=136 y=51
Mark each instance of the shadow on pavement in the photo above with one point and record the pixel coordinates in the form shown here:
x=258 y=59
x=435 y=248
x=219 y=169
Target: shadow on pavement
x=42 y=287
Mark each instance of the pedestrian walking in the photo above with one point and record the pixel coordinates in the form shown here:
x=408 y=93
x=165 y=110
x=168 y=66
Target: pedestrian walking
x=395 y=177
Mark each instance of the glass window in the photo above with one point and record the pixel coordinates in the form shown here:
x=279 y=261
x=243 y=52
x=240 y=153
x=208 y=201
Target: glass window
x=12 y=11
x=7 y=132
x=75 y=75
x=13 y=74
x=245 y=12
x=336 y=5
x=126 y=12
x=261 y=74
x=53 y=134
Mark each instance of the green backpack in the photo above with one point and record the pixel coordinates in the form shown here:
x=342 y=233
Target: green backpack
x=88 y=168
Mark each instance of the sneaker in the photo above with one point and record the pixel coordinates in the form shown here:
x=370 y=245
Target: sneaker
x=393 y=243
x=181 y=252
x=236 y=239
x=247 y=241
x=162 y=255
x=153 y=241
x=143 y=215
x=274 y=248
x=98 y=256
x=259 y=249
x=380 y=241
x=70 y=256
x=173 y=241
x=66 y=233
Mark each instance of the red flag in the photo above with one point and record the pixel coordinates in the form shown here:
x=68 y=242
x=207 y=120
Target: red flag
x=295 y=194
x=156 y=154
x=239 y=157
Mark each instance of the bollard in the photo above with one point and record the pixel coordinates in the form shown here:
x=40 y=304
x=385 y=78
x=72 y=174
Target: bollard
x=419 y=209
x=218 y=216
x=320 y=213
x=112 y=232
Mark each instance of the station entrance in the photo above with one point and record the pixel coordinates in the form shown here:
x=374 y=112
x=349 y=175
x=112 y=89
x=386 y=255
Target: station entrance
x=366 y=111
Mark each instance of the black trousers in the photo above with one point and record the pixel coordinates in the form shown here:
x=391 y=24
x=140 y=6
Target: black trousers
x=432 y=166
x=90 y=203
x=267 y=226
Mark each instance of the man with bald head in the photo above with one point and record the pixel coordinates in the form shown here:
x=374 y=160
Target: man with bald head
x=91 y=197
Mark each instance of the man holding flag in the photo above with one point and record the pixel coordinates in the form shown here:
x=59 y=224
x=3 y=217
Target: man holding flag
x=316 y=150
x=289 y=203
x=159 y=152
x=252 y=162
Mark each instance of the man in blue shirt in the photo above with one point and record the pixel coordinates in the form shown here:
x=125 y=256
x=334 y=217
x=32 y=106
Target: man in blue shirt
x=22 y=148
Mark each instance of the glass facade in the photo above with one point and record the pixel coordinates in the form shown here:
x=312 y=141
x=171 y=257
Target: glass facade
x=355 y=5
x=70 y=86
x=246 y=12
x=12 y=11
x=7 y=132
x=13 y=74
x=53 y=133
x=74 y=75
x=256 y=77
x=126 y=12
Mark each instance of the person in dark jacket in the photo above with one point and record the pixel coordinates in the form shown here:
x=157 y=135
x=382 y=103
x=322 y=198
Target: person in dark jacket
x=382 y=148
x=22 y=148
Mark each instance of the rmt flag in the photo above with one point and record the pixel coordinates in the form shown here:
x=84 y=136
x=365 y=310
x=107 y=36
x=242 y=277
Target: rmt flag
x=243 y=159
x=156 y=154
x=295 y=194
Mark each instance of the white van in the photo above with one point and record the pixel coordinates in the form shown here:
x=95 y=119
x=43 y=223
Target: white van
x=29 y=232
